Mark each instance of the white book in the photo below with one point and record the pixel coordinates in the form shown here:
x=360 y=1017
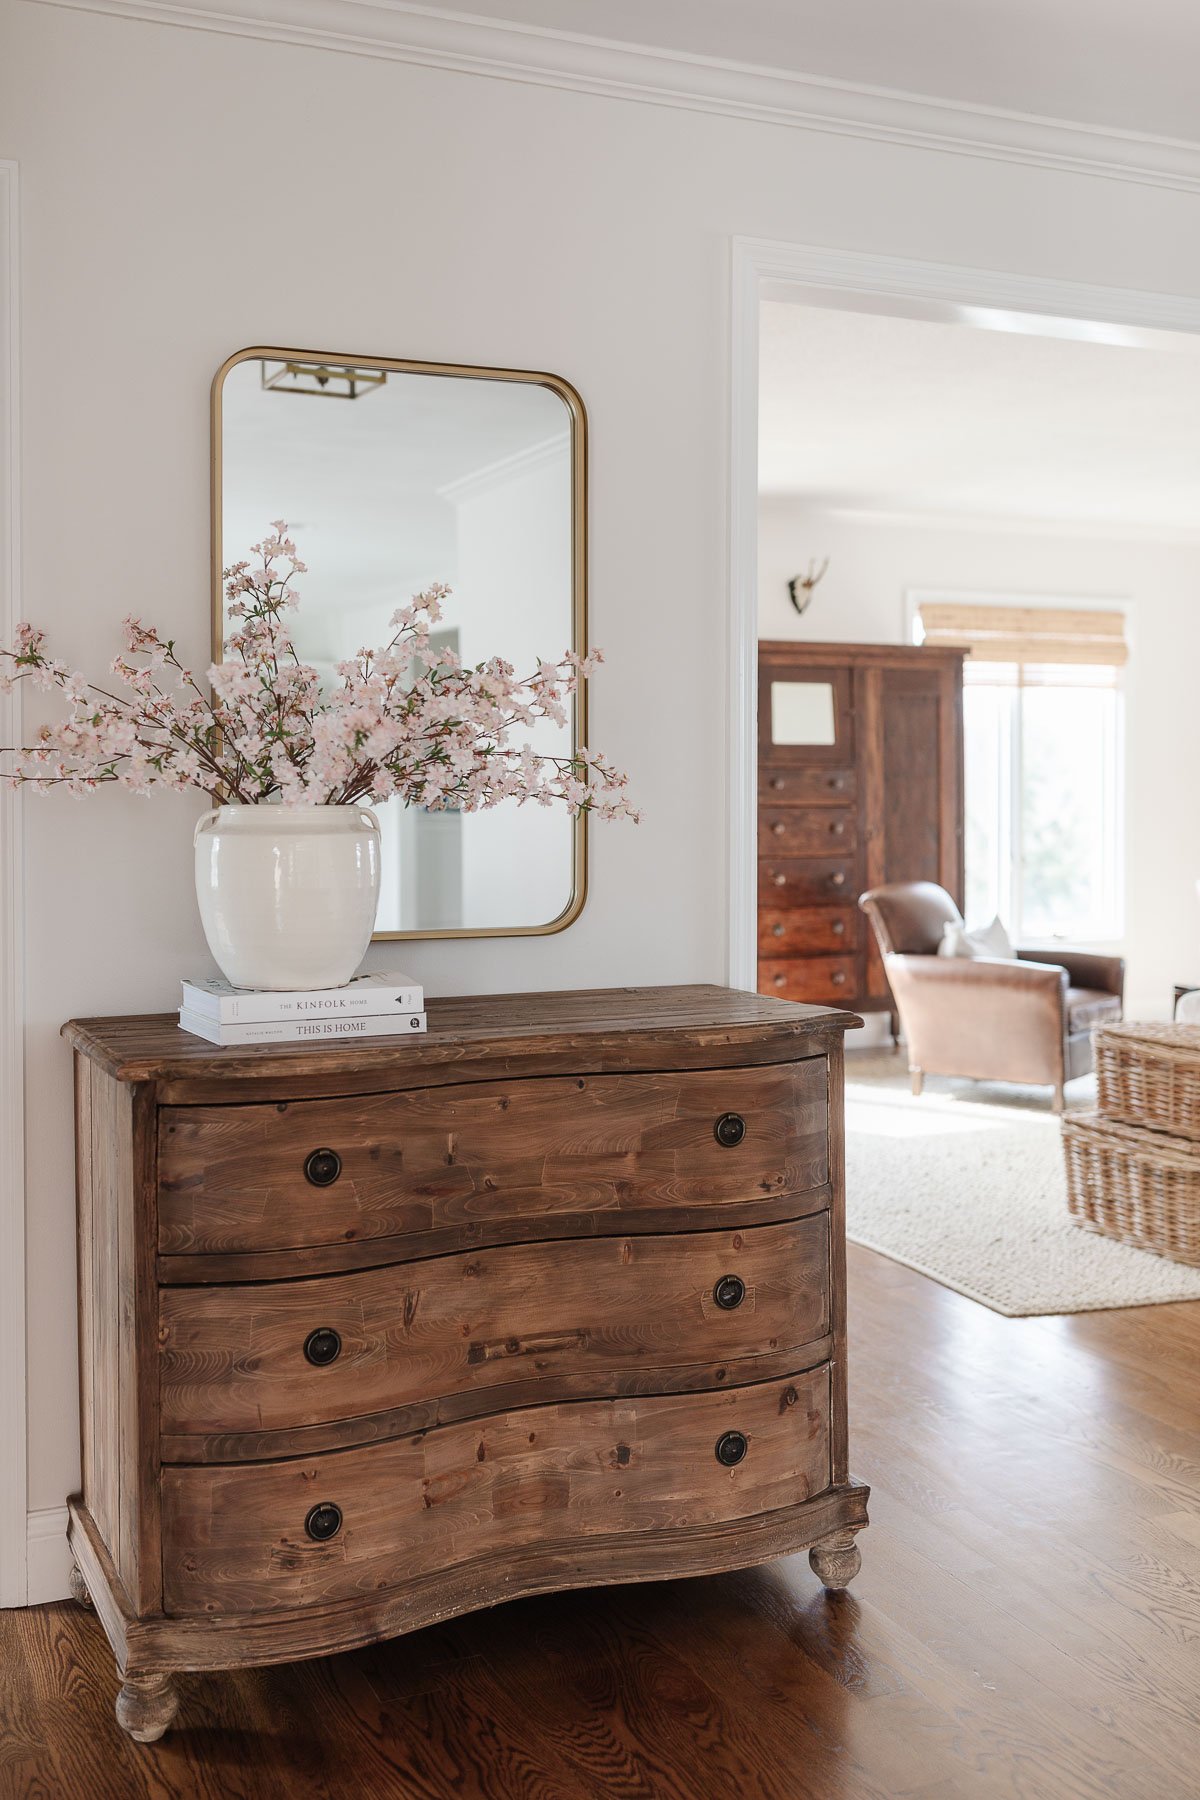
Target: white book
x=224 y=1004
x=302 y=1030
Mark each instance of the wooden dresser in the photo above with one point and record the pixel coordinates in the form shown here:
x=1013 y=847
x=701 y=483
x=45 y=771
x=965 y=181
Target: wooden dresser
x=379 y=1333
x=860 y=782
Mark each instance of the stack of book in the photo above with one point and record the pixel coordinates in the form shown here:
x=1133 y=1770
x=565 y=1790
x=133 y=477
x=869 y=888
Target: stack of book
x=388 y=1005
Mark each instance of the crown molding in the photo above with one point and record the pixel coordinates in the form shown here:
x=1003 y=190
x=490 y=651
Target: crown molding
x=403 y=31
x=509 y=468
x=1093 y=531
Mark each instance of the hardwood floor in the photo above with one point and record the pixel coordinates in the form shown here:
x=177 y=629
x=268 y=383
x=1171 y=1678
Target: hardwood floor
x=1026 y=1624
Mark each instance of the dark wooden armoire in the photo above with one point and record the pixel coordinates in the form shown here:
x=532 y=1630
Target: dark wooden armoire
x=860 y=781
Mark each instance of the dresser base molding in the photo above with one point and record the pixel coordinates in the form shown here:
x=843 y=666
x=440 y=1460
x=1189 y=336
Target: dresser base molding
x=159 y=1645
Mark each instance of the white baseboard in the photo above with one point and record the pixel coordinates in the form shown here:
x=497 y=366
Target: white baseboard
x=48 y=1561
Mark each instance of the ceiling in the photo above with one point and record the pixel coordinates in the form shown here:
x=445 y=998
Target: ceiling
x=901 y=416
x=1097 y=62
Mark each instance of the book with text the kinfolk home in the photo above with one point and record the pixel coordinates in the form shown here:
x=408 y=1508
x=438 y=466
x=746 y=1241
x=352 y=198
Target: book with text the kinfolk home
x=220 y=1001
x=303 y=1030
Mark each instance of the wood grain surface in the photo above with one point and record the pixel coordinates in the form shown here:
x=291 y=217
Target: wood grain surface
x=585 y=1031
x=598 y=1149
x=235 y=1540
x=1024 y=1626
x=541 y=1321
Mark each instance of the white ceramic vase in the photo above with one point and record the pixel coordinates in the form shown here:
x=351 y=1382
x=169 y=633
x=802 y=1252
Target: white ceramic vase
x=287 y=894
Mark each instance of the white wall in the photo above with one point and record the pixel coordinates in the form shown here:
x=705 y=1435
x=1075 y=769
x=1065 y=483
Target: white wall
x=187 y=194
x=862 y=599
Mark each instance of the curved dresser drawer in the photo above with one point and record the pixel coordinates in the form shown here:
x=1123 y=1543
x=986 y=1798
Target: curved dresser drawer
x=261 y=1537
x=573 y=1316
x=468 y=1164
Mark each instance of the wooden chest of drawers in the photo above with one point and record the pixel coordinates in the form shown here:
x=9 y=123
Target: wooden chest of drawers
x=378 y=1333
x=871 y=793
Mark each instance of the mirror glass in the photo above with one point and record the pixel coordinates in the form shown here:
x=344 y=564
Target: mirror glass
x=802 y=712
x=392 y=476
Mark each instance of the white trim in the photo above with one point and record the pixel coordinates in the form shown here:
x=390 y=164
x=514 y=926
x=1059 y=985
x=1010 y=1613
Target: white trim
x=812 y=275
x=430 y=37
x=49 y=1559
x=1104 y=531
x=741 y=711
x=12 y=1017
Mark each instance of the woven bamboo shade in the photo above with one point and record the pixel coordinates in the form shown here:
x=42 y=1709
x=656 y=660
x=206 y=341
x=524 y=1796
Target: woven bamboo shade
x=1027 y=634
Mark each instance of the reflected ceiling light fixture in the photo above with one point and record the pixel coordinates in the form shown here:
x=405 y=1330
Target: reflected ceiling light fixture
x=334 y=381
x=800 y=587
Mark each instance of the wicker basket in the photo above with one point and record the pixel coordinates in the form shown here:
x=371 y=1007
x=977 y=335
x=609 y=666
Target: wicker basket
x=1150 y=1075
x=1137 y=1186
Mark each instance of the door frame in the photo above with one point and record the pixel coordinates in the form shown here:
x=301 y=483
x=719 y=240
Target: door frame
x=851 y=280
x=14 y=1519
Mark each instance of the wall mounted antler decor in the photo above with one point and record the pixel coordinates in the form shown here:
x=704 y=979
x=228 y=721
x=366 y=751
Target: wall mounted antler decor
x=800 y=587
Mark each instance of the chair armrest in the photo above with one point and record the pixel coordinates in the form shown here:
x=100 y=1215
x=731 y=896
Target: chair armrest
x=1086 y=968
x=976 y=976
x=983 y=1017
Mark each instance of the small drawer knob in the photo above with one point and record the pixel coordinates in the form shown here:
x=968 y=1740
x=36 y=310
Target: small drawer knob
x=839 y=977
x=839 y=927
x=322 y=1167
x=322 y=1347
x=729 y=1292
x=838 y=828
x=777 y=782
x=779 y=880
x=777 y=931
x=837 y=879
x=836 y=783
x=778 y=828
x=781 y=981
x=731 y=1448
x=730 y=1129
x=323 y=1522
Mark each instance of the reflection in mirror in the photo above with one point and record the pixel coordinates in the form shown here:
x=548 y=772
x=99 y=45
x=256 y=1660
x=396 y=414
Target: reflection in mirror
x=802 y=712
x=392 y=478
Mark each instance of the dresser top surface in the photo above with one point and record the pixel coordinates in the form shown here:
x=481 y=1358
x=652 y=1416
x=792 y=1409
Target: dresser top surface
x=597 y=1024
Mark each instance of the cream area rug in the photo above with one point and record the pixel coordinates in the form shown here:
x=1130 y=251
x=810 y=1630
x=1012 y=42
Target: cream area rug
x=966 y=1184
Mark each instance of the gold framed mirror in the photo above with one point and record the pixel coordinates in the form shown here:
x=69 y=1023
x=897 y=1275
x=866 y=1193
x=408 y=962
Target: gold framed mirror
x=393 y=474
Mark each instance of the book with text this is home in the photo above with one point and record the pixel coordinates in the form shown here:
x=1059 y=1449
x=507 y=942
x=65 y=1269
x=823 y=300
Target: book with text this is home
x=367 y=995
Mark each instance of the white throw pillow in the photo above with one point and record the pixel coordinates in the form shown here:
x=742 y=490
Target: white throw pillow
x=991 y=941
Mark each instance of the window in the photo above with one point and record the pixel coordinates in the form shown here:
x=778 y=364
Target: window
x=1043 y=751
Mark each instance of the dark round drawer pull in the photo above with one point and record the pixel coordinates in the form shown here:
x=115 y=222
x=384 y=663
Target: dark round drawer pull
x=730 y=1128
x=323 y=1522
x=839 y=976
x=731 y=1448
x=729 y=1292
x=322 y=1347
x=322 y=1167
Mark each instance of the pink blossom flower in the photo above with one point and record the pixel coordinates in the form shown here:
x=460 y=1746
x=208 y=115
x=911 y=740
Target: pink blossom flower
x=404 y=721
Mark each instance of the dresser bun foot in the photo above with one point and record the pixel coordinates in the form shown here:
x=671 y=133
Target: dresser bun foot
x=836 y=1560
x=78 y=1587
x=146 y=1706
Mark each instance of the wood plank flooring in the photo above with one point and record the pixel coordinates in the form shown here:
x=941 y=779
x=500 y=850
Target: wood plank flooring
x=1026 y=1625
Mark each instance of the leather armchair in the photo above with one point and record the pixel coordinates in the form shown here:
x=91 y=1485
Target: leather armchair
x=1029 y=1021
